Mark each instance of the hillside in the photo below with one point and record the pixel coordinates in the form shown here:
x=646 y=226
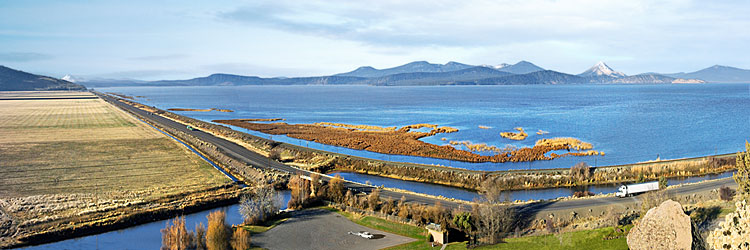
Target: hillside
x=442 y=78
x=15 y=80
x=539 y=77
x=717 y=73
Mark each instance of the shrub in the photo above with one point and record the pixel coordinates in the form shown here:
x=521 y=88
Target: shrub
x=662 y=182
x=652 y=199
x=463 y=222
x=579 y=194
x=335 y=190
x=373 y=199
x=580 y=172
x=726 y=193
x=240 y=239
x=218 y=232
x=275 y=154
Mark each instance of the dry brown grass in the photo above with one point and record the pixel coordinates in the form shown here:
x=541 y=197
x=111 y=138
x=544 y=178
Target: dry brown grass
x=518 y=136
x=357 y=127
x=68 y=157
x=201 y=110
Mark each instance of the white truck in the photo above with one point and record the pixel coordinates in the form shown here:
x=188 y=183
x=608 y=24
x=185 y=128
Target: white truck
x=631 y=189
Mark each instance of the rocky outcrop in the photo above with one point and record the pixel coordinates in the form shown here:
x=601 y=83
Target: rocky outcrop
x=734 y=232
x=663 y=227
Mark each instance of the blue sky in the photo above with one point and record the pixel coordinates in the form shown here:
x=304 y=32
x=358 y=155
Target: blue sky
x=184 y=39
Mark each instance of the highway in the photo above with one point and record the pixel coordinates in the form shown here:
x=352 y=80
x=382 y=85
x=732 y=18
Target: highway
x=257 y=160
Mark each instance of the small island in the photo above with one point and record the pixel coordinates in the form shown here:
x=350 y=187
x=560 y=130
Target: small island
x=518 y=136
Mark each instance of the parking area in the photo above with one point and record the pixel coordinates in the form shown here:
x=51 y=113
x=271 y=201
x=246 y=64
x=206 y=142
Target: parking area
x=322 y=229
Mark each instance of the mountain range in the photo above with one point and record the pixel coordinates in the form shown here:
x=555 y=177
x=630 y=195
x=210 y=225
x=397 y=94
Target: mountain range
x=425 y=73
x=15 y=80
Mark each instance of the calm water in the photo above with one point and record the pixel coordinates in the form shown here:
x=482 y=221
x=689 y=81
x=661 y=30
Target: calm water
x=523 y=195
x=630 y=123
x=145 y=236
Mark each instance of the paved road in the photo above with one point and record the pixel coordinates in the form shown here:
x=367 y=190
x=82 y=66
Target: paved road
x=261 y=161
x=322 y=229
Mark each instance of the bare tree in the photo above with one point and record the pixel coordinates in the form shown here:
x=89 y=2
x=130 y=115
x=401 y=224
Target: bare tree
x=176 y=236
x=260 y=204
x=300 y=191
x=493 y=221
x=580 y=172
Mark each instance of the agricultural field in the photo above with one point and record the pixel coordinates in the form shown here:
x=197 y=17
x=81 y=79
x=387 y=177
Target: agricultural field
x=66 y=154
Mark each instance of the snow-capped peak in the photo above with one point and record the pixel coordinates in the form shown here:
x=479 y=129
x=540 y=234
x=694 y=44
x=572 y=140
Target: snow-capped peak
x=601 y=69
x=69 y=78
x=499 y=66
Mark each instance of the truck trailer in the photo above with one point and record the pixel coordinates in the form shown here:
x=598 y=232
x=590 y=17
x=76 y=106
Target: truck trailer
x=631 y=189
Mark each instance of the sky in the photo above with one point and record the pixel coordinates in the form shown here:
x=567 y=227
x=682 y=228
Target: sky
x=152 y=40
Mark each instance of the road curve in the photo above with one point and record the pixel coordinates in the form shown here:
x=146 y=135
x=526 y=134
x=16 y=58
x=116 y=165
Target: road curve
x=257 y=160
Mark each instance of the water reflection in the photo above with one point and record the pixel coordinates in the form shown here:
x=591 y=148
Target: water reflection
x=145 y=236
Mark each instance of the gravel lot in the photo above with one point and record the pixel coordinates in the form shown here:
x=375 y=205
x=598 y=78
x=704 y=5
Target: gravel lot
x=322 y=229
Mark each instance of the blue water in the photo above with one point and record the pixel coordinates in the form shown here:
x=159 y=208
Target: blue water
x=145 y=236
x=630 y=123
x=522 y=195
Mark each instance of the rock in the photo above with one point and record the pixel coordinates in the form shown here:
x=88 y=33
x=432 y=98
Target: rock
x=734 y=231
x=663 y=227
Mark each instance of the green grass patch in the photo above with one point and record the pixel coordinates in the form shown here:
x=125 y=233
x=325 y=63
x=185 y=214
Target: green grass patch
x=602 y=238
x=385 y=225
x=256 y=229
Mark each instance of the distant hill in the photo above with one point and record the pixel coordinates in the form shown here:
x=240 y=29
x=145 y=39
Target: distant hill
x=228 y=80
x=650 y=78
x=441 y=78
x=539 y=77
x=412 y=67
x=522 y=67
x=15 y=80
x=717 y=73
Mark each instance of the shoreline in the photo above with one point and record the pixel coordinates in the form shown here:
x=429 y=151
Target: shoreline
x=121 y=218
x=324 y=161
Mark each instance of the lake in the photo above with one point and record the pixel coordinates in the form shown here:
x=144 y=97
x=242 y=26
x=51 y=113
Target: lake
x=630 y=123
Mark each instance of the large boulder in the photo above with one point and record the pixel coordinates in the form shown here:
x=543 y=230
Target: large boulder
x=663 y=227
